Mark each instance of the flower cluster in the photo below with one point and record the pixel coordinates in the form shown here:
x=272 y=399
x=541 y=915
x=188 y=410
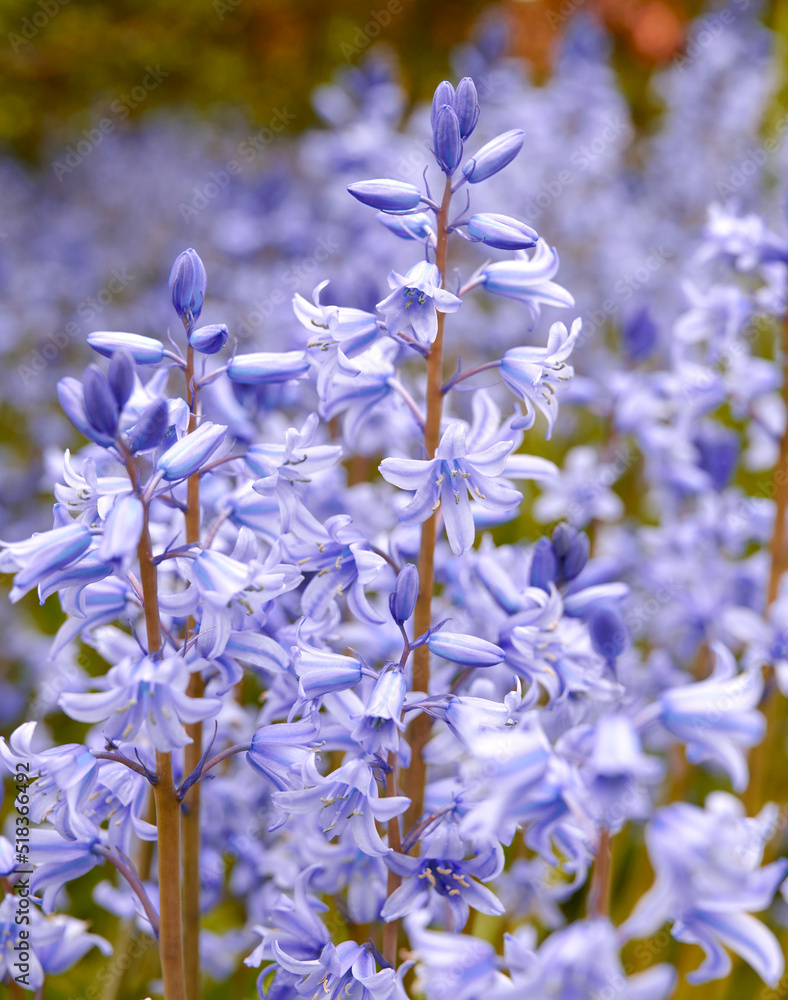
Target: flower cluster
x=350 y=694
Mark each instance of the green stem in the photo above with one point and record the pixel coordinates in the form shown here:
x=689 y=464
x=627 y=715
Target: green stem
x=415 y=776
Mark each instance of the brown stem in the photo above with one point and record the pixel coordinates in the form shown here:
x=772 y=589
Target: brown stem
x=391 y=929
x=599 y=892
x=415 y=776
x=168 y=808
x=190 y=820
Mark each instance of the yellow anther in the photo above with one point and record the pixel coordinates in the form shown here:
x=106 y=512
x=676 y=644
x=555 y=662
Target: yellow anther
x=480 y=495
x=436 y=504
x=445 y=871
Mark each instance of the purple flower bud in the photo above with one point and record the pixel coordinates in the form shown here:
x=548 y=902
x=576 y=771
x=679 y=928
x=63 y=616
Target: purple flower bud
x=186 y=457
x=494 y=156
x=122 y=531
x=466 y=106
x=386 y=195
x=447 y=140
x=101 y=408
x=577 y=556
x=563 y=536
x=502 y=232
x=608 y=631
x=266 y=368
x=321 y=672
x=444 y=94
x=144 y=350
x=187 y=286
x=209 y=339
x=72 y=400
x=406 y=591
x=544 y=566
x=407 y=227
x=639 y=333
x=120 y=376
x=466 y=649
x=152 y=425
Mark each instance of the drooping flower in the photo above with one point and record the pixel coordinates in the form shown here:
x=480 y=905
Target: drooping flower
x=417 y=299
x=708 y=883
x=451 y=479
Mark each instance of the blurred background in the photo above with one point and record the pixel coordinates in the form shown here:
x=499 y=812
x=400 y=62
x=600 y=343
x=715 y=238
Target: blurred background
x=131 y=130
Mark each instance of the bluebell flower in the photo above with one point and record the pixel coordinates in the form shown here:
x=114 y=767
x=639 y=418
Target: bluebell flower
x=608 y=632
x=71 y=396
x=380 y=724
x=120 y=376
x=527 y=279
x=453 y=966
x=60 y=860
x=341 y=563
x=144 y=350
x=122 y=533
x=410 y=227
x=450 y=480
x=150 y=428
x=466 y=106
x=616 y=771
x=294 y=926
x=191 y=452
x=443 y=870
x=321 y=672
x=502 y=232
x=353 y=330
x=284 y=470
x=347 y=970
x=386 y=195
x=446 y=139
x=717 y=719
x=534 y=373
x=187 y=286
x=582 y=961
x=406 y=591
x=469 y=650
x=415 y=302
x=267 y=368
x=279 y=752
x=463 y=101
x=493 y=156
x=47 y=551
x=143 y=695
x=709 y=881
x=209 y=339
x=53 y=944
x=347 y=798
